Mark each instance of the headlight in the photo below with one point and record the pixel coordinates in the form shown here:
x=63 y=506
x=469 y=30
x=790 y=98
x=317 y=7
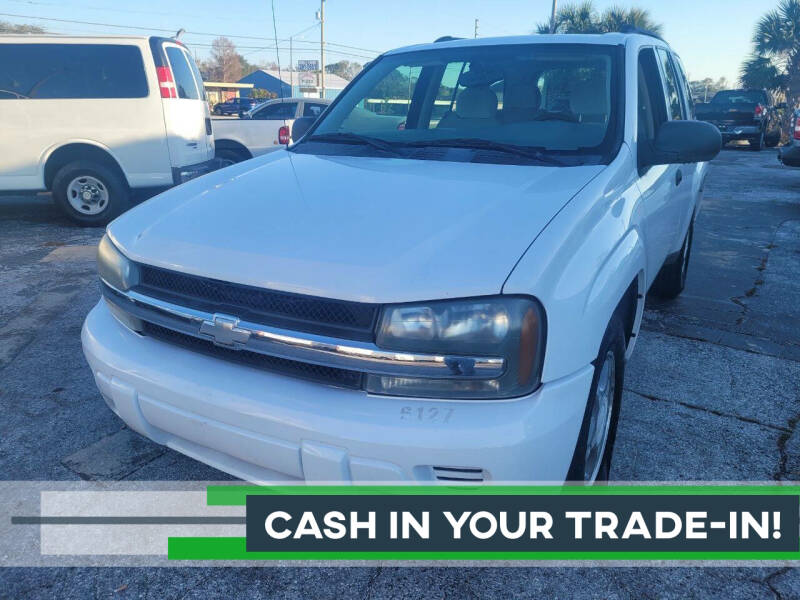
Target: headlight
x=116 y=270
x=507 y=327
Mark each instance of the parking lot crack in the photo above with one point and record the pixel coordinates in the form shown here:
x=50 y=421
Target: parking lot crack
x=372 y=579
x=786 y=431
x=783 y=464
x=768 y=582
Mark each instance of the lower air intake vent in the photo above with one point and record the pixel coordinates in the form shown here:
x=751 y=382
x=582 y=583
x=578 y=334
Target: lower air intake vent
x=458 y=474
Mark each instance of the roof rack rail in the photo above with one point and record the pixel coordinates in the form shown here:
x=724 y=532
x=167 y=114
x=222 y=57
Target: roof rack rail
x=446 y=38
x=640 y=31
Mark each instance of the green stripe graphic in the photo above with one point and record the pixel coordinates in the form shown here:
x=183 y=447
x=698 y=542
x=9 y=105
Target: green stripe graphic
x=234 y=548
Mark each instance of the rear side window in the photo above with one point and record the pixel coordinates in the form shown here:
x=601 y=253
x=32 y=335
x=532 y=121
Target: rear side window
x=182 y=72
x=71 y=71
x=673 y=95
x=311 y=109
x=684 y=83
x=277 y=111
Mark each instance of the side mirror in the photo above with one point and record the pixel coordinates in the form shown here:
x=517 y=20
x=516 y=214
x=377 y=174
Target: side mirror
x=300 y=126
x=685 y=142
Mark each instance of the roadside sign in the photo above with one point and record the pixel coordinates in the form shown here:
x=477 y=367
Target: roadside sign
x=308 y=65
x=307 y=80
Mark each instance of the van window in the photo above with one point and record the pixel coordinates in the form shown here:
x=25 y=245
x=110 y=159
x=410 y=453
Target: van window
x=184 y=79
x=71 y=71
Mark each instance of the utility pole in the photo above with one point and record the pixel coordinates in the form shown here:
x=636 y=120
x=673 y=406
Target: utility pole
x=476 y=27
x=291 y=69
x=553 y=18
x=322 y=47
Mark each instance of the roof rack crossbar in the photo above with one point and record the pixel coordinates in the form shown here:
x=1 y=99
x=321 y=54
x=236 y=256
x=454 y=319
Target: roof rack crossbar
x=640 y=31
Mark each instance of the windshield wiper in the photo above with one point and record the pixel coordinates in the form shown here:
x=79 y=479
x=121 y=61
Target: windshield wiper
x=481 y=144
x=354 y=138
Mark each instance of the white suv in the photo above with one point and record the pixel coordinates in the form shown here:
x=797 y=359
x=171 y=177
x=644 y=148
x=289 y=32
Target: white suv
x=94 y=118
x=441 y=280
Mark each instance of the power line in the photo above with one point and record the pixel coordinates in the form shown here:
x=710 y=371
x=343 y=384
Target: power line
x=203 y=33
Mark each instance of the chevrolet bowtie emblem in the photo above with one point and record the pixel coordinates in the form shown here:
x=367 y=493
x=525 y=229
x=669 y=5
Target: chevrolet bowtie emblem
x=223 y=331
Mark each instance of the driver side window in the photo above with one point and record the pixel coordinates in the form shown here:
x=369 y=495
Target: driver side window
x=651 y=104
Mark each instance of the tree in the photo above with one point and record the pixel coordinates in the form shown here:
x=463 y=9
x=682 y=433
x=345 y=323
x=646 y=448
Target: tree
x=703 y=90
x=760 y=72
x=6 y=27
x=344 y=69
x=225 y=64
x=583 y=17
x=775 y=63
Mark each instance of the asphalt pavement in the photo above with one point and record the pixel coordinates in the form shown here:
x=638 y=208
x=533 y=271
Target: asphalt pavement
x=712 y=393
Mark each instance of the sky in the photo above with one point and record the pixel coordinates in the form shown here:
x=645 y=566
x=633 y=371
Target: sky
x=711 y=36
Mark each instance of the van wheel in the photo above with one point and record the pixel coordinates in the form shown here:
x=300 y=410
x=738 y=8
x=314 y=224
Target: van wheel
x=229 y=156
x=592 y=459
x=89 y=193
x=672 y=278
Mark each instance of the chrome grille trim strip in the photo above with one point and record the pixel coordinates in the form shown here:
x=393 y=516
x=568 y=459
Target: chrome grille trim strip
x=304 y=347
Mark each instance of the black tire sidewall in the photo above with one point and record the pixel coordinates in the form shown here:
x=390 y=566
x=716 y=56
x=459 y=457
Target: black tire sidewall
x=230 y=154
x=614 y=339
x=118 y=193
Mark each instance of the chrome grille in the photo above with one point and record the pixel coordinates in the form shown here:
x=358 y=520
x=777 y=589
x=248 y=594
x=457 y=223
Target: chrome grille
x=338 y=318
x=293 y=368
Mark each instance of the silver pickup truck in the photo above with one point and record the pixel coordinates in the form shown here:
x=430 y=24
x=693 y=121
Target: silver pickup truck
x=265 y=128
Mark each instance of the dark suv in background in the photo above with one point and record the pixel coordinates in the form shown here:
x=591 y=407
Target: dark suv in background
x=236 y=106
x=743 y=115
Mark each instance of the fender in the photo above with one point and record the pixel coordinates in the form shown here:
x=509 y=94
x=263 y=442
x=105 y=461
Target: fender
x=50 y=150
x=582 y=264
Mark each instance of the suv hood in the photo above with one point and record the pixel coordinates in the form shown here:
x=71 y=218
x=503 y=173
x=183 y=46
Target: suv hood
x=352 y=228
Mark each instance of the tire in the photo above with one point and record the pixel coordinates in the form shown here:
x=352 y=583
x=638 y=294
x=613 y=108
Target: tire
x=672 y=278
x=602 y=409
x=772 y=139
x=757 y=144
x=230 y=156
x=217 y=110
x=107 y=192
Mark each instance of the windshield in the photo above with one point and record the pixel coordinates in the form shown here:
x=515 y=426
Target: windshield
x=738 y=97
x=502 y=102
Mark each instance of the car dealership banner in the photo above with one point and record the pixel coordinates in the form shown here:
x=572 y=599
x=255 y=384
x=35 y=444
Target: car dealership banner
x=116 y=523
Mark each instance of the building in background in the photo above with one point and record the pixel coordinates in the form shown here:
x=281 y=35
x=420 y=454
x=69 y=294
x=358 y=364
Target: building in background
x=217 y=91
x=293 y=84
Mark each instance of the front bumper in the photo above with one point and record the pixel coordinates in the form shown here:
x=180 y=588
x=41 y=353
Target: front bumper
x=189 y=172
x=790 y=156
x=262 y=427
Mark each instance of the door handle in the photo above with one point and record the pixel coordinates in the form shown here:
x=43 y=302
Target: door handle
x=678 y=177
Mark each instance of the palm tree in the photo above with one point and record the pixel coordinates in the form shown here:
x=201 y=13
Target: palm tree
x=615 y=18
x=584 y=18
x=775 y=63
x=760 y=72
x=777 y=37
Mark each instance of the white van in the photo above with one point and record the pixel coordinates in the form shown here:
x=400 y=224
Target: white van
x=93 y=118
